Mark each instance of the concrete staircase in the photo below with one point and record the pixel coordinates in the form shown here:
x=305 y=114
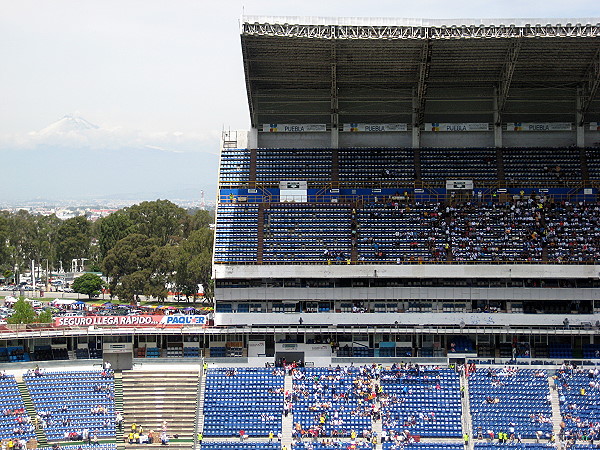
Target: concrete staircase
x=30 y=409
x=118 y=380
x=287 y=423
x=556 y=416
x=151 y=397
x=200 y=409
x=467 y=421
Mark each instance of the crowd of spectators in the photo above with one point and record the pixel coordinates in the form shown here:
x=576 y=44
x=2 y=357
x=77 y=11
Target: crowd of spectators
x=338 y=401
x=579 y=397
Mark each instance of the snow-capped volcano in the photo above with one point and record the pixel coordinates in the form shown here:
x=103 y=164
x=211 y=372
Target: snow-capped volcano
x=69 y=124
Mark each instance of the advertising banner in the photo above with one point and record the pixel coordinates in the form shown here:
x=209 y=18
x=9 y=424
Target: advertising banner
x=135 y=321
x=374 y=127
x=437 y=127
x=594 y=126
x=538 y=126
x=293 y=128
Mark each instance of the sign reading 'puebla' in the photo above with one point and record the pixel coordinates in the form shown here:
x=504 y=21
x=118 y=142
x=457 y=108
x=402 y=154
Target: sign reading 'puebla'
x=439 y=127
x=293 y=128
x=538 y=126
x=374 y=127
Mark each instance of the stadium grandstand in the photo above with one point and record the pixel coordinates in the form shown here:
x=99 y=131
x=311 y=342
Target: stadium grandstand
x=406 y=257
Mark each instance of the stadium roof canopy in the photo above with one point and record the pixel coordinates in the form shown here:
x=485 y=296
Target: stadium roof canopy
x=348 y=70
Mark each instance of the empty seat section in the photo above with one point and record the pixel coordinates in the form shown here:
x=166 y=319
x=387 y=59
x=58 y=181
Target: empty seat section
x=306 y=233
x=501 y=398
x=426 y=402
x=275 y=165
x=77 y=400
x=249 y=399
x=235 y=167
x=541 y=166
x=375 y=166
x=440 y=164
x=237 y=228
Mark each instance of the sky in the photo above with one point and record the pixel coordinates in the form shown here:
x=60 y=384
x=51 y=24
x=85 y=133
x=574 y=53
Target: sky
x=158 y=75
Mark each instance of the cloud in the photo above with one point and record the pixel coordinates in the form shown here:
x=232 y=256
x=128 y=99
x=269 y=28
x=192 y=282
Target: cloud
x=114 y=139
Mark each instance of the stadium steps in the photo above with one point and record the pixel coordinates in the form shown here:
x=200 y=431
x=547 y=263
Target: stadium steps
x=287 y=423
x=260 y=234
x=500 y=167
x=252 y=171
x=556 y=416
x=467 y=420
x=585 y=172
x=335 y=168
x=118 y=380
x=200 y=409
x=151 y=397
x=417 y=158
x=30 y=409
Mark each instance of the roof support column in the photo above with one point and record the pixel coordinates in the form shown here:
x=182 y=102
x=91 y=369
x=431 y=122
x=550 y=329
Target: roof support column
x=335 y=137
x=497 y=121
x=579 y=117
x=591 y=86
x=416 y=128
x=253 y=137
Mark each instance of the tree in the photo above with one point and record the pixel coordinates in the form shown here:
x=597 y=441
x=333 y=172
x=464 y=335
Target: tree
x=24 y=313
x=194 y=263
x=112 y=229
x=73 y=240
x=128 y=264
x=88 y=284
x=160 y=219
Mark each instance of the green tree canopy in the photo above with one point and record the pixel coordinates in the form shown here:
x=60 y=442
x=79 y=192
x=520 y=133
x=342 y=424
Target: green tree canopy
x=194 y=263
x=24 y=313
x=88 y=284
x=73 y=240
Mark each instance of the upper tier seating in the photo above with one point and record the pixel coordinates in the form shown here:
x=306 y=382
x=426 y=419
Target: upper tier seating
x=494 y=232
x=541 y=166
x=237 y=227
x=523 y=231
x=295 y=232
x=249 y=399
x=573 y=231
x=426 y=402
x=235 y=166
x=477 y=164
x=333 y=402
x=14 y=421
x=501 y=397
x=579 y=412
x=275 y=165
x=371 y=166
x=70 y=398
x=593 y=163
x=414 y=233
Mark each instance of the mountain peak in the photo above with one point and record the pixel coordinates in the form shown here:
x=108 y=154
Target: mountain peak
x=70 y=123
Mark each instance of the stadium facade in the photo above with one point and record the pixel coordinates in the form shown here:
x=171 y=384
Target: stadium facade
x=405 y=185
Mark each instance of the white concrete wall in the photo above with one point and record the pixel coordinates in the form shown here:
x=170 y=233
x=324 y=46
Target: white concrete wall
x=457 y=139
x=294 y=140
x=494 y=271
x=406 y=293
x=391 y=140
x=374 y=319
x=539 y=139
